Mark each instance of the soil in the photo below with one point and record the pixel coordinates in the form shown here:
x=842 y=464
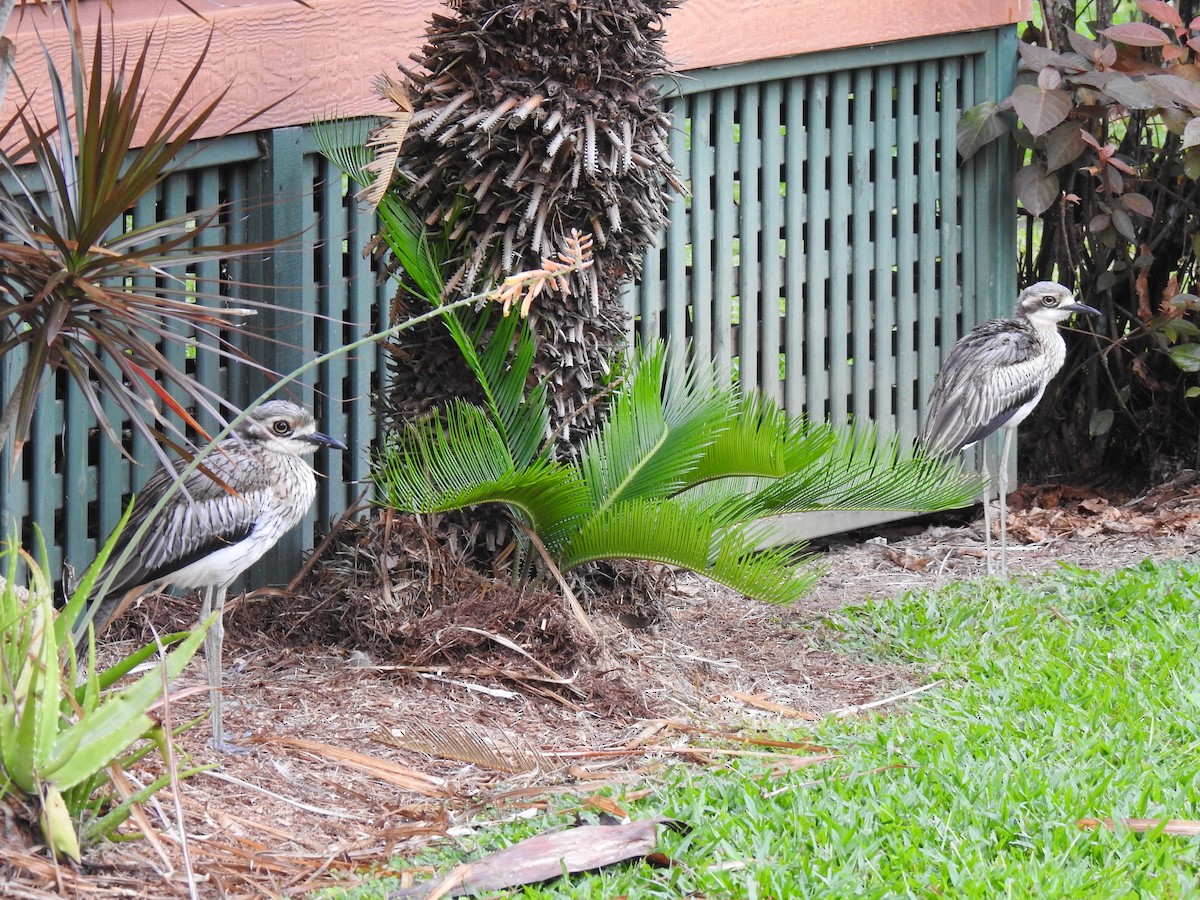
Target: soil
x=349 y=758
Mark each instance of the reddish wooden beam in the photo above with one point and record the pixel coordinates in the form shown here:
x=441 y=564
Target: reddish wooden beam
x=319 y=61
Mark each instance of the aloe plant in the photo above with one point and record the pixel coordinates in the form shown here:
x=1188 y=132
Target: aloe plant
x=684 y=470
x=63 y=732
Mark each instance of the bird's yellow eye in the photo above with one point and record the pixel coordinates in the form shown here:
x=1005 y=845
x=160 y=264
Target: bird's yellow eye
x=280 y=426
x=1049 y=300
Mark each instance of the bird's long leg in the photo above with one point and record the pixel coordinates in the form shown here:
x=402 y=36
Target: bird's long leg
x=1002 y=489
x=987 y=506
x=214 y=601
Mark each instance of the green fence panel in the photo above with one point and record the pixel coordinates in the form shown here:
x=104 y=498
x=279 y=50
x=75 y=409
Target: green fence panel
x=834 y=247
x=829 y=252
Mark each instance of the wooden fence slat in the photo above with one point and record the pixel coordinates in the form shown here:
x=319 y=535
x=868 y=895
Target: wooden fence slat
x=884 y=280
x=795 y=388
x=906 y=249
x=927 y=284
x=676 y=286
x=724 y=227
x=749 y=235
x=701 y=220
x=772 y=201
x=862 y=248
x=816 y=247
x=838 y=250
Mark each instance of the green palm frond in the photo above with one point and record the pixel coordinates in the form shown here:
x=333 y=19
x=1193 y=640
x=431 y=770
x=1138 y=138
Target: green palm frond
x=761 y=439
x=690 y=535
x=656 y=432
x=861 y=472
x=460 y=459
x=504 y=372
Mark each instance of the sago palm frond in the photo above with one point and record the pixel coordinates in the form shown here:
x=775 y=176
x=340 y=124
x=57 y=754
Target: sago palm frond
x=656 y=432
x=460 y=459
x=761 y=439
x=679 y=532
x=861 y=472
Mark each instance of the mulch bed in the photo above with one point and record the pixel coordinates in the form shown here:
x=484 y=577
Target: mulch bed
x=357 y=750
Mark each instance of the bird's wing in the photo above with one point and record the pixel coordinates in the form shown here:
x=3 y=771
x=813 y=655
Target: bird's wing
x=200 y=517
x=983 y=382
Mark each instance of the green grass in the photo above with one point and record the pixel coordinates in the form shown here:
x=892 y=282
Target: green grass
x=1069 y=696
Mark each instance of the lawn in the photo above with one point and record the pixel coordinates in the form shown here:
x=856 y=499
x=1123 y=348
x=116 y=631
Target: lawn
x=1067 y=697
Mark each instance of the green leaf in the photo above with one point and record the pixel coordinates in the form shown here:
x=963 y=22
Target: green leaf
x=692 y=536
x=657 y=430
x=1064 y=145
x=1186 y=356
x=1129 y=93
x=978 y=126
x=1100 y=423
x=761 y=439
x=460 y=459
x=859 y=472
x=1036 y=189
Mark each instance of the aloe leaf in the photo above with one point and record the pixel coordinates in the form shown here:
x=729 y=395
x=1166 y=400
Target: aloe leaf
x=120 y=720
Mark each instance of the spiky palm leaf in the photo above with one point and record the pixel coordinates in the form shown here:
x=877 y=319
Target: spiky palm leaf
x=66 y=260
x=460 y=459
x=656 y=432
x=649 y=486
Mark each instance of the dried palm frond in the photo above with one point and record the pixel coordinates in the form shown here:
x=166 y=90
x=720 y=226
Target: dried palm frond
x=386 y=140
x=469 y=744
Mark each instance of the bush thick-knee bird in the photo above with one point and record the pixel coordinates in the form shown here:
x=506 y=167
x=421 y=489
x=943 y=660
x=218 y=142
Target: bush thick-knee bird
x=993 y=377
x=214 y=528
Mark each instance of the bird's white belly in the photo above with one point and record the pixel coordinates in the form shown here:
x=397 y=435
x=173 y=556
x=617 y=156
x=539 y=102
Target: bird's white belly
x=277 y=513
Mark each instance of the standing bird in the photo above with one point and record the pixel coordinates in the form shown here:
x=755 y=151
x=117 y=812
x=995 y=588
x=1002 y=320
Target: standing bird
x=214 y=528
x=993 y=378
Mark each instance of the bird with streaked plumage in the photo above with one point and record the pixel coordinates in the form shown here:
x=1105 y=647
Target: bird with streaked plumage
x=215 y=526
x=993 y=378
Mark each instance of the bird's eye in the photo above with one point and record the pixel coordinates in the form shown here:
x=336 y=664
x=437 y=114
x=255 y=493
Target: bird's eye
x=281 y=427
x=1049 y=300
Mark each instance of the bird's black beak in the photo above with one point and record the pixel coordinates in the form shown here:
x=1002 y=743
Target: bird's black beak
x=325 y=440
x=1082 y=308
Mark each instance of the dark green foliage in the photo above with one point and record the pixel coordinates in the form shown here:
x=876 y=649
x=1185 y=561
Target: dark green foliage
x=1106 y=112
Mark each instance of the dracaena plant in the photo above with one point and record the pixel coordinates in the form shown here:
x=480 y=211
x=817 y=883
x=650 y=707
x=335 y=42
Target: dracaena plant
x=1106 y=117
x=71 y=264
x=65 y=735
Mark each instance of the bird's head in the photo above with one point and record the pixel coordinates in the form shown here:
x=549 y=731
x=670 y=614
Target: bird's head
x=1047 y=303
x=284 y=426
